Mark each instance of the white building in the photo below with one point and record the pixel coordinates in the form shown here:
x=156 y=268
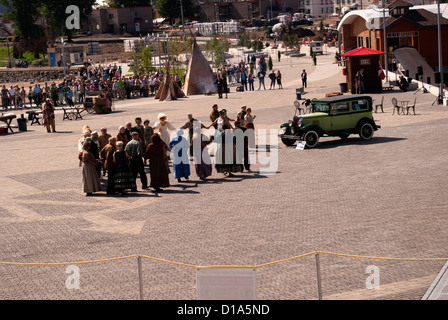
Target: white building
x=319 y=8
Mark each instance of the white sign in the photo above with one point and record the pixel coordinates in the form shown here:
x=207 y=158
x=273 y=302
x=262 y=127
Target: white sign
x=226 y=284
x=300 y=145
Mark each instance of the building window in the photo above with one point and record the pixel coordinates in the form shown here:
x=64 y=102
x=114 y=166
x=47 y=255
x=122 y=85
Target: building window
x=111 y=16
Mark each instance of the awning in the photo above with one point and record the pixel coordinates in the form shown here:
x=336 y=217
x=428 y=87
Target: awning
x=362 y=52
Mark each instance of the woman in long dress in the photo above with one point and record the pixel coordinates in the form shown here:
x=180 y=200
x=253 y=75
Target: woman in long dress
x=226 y=158
x=90 y=180
x=201 y=157
x=158 y=159
x=163 y=127
x=124 y=178
x=181 y=165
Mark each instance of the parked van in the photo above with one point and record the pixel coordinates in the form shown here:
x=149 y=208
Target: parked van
x=318 y=47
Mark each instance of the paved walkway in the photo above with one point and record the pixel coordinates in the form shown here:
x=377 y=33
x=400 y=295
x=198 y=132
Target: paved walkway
x=382 y=198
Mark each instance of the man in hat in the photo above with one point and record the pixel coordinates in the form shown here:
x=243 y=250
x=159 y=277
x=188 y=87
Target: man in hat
x=135 y=150
x=190 y=125
x=103 y=139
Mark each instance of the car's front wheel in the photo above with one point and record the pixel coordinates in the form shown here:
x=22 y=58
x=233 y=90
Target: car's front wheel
x=366 y=131
x=311 y=138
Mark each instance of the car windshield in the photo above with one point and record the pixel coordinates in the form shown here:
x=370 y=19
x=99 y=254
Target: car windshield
x=321 y=107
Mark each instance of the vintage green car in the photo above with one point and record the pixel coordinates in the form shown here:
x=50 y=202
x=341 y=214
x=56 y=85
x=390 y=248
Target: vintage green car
x=333 y=116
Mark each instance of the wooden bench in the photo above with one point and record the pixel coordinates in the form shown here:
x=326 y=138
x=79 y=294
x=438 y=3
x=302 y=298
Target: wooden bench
x=71 y=113
x=7 y=118
x=35 y=116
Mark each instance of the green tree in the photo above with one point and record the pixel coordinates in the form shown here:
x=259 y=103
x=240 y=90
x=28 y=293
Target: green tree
x=291 y=41
x=244 y=40
x=171 y=9
x=257 y=45
x=217 y=48
x=24 y=14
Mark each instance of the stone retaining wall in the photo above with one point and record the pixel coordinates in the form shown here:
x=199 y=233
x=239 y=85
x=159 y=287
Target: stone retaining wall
x=25 y=75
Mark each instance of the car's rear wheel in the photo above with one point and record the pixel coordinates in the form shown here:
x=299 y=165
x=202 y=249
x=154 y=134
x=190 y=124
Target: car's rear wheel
x=288 y=142
x=311 y=138
x=366 y=131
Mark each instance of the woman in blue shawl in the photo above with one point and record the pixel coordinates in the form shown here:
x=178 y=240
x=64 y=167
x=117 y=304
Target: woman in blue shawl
x=181 y=163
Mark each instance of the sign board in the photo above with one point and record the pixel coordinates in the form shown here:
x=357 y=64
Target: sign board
x=301 y=145
x=226 y=284
x=365 y=62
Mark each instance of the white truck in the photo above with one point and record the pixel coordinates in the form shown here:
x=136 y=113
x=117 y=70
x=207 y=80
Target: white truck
x=318 y=47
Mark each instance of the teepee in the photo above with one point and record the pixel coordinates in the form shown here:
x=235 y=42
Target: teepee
x=169 y=89
x=199 y=78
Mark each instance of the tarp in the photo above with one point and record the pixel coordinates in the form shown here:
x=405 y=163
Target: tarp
x=200 y=78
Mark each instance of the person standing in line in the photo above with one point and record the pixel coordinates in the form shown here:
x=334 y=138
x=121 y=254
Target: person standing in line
x=138 y=128
x=147 y=134
x=95 y=150
x=156 y=153
x=201 y=157
x=279 y=80
x=122 y=136
x=135 y=151
x=5 y=97
x=273 y=77
x=219 y=84
x=107 y=157
x=122 y=175
x=103 y=138
x=48 y=115
x=179 y=146
x=225 y=87
x=90 y=180
x=244 y=80
x=251 y=82
x=304 y=78
x=261 y=74
x=242 y=153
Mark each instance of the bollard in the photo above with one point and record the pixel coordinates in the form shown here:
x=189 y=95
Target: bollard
x=140 y=277
x=319 y=283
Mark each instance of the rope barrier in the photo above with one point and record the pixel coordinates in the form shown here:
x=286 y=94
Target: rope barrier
x=220 y=266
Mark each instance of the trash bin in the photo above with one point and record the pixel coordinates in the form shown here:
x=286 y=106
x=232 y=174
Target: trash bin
x=21 y=124
x=299 y=93
x=343 y=86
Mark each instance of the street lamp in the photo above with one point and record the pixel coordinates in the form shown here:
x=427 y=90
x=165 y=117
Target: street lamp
x=64 y=44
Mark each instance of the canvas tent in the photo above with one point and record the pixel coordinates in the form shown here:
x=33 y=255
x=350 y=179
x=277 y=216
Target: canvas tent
x=169 y=90
x=200 y=78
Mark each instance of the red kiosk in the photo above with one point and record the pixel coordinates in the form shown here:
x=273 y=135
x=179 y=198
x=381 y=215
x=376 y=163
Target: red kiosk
x=369 y=60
